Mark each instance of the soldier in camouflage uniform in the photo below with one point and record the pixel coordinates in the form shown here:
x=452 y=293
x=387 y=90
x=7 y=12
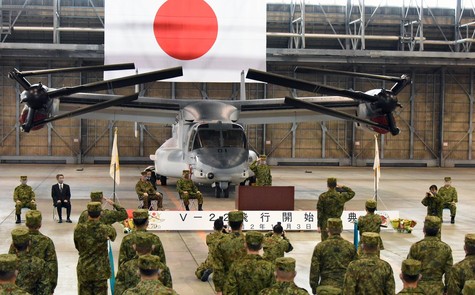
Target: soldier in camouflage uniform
x=370 y=222
x=107 y=216
x=369 y=274
x=251 y=273
x=449 y=194
x=206 y=268
x=146 y=192
x=434 y=202
x=127 y=252
x=330 y=258
x=330 y=204
x=410 y=276
x=31 y=270
x=24 y=197
x=42 y=247
x=463 y=270
x=128 y=275
x=8 y=274
x=261 y=171
x=469 y=288
x=91 y=241
x=149 y=266
x=230 y=249
x=284 y=277
x=435 y=256
x=276 y=243
x=328 y=290
x=187 y=190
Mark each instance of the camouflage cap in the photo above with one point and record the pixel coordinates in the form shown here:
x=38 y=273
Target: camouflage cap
x=286 y=264
x=254 y=238
x=263 y=157
x=33 y=218
x=370 y=203
x=331 y=181
x=334 y=224
x=94 y=207
x=143 y=240
x=411 y=267
x=369 y=238
x=96 y=196
x=236 y=216
x=8 y=262
x=23 y=177
x=470 y=240
x=447 y=178
x=468 y=287
x=328 y=290
x=20 y=236
x=186 y=171
x=143 y=173
x=140 y=214
x=432 y=222
x=149 y=262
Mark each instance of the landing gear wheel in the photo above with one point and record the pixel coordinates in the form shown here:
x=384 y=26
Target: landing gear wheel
x=163 y=180
x=226 y=192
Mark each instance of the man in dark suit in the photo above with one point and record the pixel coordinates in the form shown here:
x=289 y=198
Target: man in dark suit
x=61 y=195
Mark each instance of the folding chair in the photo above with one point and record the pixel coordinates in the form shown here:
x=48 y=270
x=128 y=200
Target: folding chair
x=191 y=205
x=55 y=214
x=153 y=205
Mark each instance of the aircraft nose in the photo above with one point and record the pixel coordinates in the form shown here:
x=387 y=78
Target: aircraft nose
x=223 y=158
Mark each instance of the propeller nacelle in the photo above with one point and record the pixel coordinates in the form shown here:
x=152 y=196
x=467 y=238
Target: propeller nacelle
x=36 y=96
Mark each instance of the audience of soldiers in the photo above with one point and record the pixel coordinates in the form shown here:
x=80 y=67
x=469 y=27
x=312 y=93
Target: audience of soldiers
x=234 y=258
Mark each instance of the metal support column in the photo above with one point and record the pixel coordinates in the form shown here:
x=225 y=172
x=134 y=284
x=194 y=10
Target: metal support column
x=457 y=28
x=141 y=145
x=56 y=24
x=470 y=118
x=297 y=24
x=411 y=118
x=441 y=117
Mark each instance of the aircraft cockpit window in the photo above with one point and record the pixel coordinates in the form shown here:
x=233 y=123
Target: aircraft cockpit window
x=234 y=138
x=206 y=138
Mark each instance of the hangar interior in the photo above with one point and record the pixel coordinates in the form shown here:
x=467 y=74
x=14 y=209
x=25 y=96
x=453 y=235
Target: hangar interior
x=432 y=45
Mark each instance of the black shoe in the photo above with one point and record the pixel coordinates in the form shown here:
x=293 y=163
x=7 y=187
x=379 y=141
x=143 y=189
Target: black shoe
x=187 y=208
x=206 y=274
x=200 y=207
x=60 y=221
x=452 y=219
x=69 y=220
x=18 y=219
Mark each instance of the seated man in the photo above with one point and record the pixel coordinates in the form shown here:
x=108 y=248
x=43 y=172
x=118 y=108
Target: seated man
x=61 y=194
x=146 y=192
x=187 y=190
x=24 y=197
x=449 y=195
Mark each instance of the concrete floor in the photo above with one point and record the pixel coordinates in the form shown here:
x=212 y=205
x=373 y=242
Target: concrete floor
x=400 y=189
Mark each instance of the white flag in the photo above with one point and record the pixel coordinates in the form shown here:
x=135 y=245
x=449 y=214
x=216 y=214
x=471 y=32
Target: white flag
x=115 y=168
x=376 y=166
x=213 y=40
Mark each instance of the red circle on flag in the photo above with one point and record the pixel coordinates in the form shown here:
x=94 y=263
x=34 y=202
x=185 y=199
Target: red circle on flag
x=185 y=29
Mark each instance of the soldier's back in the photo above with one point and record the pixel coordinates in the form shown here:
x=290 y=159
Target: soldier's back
x=275 y=247
x=127 y=251
x=150 y=287
x=371 y=223
x=369 y=275
x=462 y=271
x=416 y=291
x=249 y=275
x=284 y=288
x=12 y=289
x=31 y=275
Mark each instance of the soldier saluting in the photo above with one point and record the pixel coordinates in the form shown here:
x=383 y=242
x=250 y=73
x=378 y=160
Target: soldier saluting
x=262 y=171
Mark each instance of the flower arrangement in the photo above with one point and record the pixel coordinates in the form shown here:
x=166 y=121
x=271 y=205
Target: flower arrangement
x=402 y=225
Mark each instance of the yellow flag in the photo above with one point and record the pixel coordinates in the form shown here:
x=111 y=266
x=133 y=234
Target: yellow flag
x=115 y=160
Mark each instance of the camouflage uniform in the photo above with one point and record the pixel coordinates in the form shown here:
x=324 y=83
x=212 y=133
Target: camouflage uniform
x=369 y=274
x=150 y=287
x=8 y=264
x=187 y=185
x=330 y=259
x=91 y=241
x=411 y=267
x=370 y=222
x=436 y=259
x=127 y=252
x=212 y=241
x=25 y=194
x=128 y=276
x=284 y=265
x=262 y=173
x=143 y=187
x=469 y=288
x=463 y=270
x=42 y=247
x=449 y=195
x=330 y=205
x=108 y=216
x=230 y=248
x=252 y=273
x=434 y=204
x=275 y=246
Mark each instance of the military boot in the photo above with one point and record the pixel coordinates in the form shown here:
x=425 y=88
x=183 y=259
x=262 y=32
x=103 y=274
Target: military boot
x=18 y=218
x=187 y=208
x=200 y=207
x=452 y=219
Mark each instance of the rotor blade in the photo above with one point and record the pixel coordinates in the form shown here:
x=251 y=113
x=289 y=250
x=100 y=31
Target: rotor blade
x=88 y=109
x=307 y=86
x=119 y=82
x=113 y=67
x=362 y=75
x=327 y=111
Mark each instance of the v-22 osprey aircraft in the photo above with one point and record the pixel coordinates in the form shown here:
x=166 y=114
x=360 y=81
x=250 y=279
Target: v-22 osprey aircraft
x=208 y=136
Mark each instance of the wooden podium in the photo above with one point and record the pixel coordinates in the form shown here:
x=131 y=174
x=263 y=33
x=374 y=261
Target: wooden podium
x=279 y=198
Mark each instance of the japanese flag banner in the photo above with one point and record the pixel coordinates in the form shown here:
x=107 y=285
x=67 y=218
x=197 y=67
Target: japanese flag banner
x=213 y=40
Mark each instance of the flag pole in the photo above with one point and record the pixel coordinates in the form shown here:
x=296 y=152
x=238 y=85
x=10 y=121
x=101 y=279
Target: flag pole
x=376 y=168
x=113 y=192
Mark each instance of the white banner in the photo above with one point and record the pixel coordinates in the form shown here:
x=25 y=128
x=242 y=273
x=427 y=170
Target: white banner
x=213 y=40
x=253 y=220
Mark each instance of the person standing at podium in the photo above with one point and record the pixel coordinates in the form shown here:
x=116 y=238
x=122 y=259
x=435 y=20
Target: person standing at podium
x=261 y=171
